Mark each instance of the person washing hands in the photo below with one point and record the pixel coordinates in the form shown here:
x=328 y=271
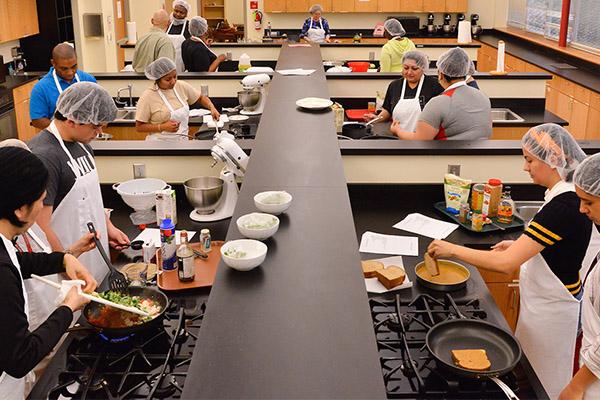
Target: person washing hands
x=549 y=254
x=22 y=349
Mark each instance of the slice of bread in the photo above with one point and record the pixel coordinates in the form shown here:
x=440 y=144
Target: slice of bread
x=391 y=276
x=431 y=264
x=369 y=267
x=475 y=360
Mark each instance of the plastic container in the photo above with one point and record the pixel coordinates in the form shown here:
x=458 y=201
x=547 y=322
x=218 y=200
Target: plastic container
x=477 y=222
x=491 y=197
x=168 y=247
x=244 y=62
x=359 y=66
x=166 y=206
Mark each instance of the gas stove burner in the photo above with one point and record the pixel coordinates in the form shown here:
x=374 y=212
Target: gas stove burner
x=409 y=368
x=115 y=340
x=93 y=383
x=166 y=388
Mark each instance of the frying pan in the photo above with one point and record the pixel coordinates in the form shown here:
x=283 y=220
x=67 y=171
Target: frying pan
x=421 y=273
x=502 y=348
x=93 y=308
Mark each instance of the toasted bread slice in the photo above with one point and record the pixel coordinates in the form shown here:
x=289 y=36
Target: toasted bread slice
x=391 y=276
x=473 y=359
x=431 y=264
x=369 y=267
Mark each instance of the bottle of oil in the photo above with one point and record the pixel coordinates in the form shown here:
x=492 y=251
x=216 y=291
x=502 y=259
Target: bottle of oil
x=185 y=259
x=506 y=207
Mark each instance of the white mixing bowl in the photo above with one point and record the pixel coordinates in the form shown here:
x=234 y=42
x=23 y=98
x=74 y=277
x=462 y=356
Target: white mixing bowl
x=273 y=202
x=250 y=254
x=139 y=194
x=259 y=226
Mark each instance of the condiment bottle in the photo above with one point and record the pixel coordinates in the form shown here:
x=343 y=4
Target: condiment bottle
x=185 y=259
x=491 y=197
x=244 y=62
x=167 y=245
x=463 y=215
x=477 y=222
x=506 y=207
x=477 y=197
x=205 y=240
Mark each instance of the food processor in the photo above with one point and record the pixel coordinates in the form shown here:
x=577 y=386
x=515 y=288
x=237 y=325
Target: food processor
x=253 y=96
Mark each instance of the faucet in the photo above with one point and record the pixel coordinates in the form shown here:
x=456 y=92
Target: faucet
x=129 y=102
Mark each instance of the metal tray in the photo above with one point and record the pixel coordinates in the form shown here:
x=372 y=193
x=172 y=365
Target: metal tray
x=515 y=224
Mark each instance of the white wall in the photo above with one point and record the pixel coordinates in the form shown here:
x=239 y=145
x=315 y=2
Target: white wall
x=5 y=50
x=141 y=12
x=234 y=11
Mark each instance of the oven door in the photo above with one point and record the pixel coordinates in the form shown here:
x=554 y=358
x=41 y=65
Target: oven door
x=8 y=123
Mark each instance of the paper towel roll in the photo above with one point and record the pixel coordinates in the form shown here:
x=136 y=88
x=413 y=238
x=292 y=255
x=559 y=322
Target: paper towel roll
x=131 y=33
x=464 y=32
x=500 y=59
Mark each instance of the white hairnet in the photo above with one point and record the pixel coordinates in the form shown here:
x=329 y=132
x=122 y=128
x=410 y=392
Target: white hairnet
x=87 y=103
x=418 y=57
x=159 y=68
x=471 y=68
x=183 y=4
x=587 y=175
x=14 y=143
x=555 y=146
x=394 y=27
x=454 y=63
x=198 y=26
x=314 y=8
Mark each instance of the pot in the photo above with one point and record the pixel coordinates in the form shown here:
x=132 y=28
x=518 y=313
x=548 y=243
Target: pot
x=453 y=276
x=356 y=130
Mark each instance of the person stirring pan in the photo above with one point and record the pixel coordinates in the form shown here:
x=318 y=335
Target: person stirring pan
x=549 y=254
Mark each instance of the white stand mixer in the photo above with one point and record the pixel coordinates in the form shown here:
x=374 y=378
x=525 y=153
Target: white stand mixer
x=254 y=85
x=227 y=151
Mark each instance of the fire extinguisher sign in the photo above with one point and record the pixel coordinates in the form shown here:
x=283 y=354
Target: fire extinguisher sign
x=253 y=4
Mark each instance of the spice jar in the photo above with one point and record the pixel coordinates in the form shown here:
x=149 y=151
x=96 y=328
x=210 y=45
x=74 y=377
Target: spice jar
x=477 y=197
x=463 y=215
x=491 y=197
x=477 y=222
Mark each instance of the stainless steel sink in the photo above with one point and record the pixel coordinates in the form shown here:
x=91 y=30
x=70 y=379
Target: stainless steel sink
x=500 y=115
x=125 y=115
x=526 y=210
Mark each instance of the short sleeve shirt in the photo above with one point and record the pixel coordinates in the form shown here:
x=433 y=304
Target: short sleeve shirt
x=430 y=89
x=565 y=234
x=196 y=56
x=152 y=109
x=44 y=94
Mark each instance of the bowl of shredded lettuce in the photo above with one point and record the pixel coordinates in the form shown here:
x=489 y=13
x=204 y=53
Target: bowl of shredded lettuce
x=259 y=226
x=273 y=202
x=243 y=254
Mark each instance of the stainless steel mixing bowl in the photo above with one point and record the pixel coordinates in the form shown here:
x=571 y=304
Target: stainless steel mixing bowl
x=249 y=99
x=204 y=193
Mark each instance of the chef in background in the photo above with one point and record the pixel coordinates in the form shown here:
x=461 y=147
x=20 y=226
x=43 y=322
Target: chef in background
x=549 y=256
x=178 y=29
x=197 y=56
x=460 y=112
x=155 y=44
x=393 y=51
x=164 y=110
x=315 y=28
x=406 y=97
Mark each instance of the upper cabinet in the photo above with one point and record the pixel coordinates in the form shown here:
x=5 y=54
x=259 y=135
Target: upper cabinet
x=410 y=6
x=342 y=6
x=365 y=5
x=457 y=6
x=388 y=5
x=301 y=6
x=275 y=6
x=434 y=5
x=370 y=6
x=18 y=19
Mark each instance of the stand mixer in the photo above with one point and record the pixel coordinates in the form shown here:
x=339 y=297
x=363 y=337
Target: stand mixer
x=254 y=96
x=213 y=198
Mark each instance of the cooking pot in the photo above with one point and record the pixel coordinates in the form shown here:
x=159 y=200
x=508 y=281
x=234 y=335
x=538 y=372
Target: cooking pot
x=356 y=130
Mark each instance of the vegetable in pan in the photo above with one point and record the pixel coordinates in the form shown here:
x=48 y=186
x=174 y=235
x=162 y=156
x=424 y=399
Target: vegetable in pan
x=109 y=317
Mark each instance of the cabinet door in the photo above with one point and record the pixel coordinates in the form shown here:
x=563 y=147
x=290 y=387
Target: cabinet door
x=457 y=6
x=514 y=64
x=563 y=105
x=326 y=4
x=551 y=98
x=388 y=5
x=592 y=130
x=365 y=5
x=297 y=6
x=434 y=5
x=18 y=19
x=579 y=117
x=342 y=5
x=275 y=5
x=24 y=130
x=506 y=296
x=410 y=6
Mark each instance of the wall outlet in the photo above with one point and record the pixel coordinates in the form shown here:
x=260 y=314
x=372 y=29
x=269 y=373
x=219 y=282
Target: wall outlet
x=139 y=171
x=454 y=169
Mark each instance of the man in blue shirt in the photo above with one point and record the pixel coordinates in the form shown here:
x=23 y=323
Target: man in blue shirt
x=62 y=75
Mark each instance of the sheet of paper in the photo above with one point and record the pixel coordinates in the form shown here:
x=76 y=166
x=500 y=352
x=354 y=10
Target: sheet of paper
x=374 y=286
x=423 y=225
x=297 y=71
x=153 y=235
x=378 y=243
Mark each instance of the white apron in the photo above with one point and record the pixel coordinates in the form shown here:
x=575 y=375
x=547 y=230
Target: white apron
x=548 y=318
x=316 y=35
x=591 y=325
x=13 y=388
x=60 y=90
x=407 y=111
x=181 y=115
x=81 y=205
x=177 y=40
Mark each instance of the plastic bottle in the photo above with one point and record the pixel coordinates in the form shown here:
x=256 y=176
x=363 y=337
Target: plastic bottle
x=491 y=197
x=379 y=99
x=506 y=207
x=205 y=240
x=185 y=259
x=167 y=245
x=268 y=30
x=244 y=62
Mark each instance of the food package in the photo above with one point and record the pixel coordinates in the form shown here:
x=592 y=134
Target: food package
x=166 y=206
x=456 y=191
x=338 y=115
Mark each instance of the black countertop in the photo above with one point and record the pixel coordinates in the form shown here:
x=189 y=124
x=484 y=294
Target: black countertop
x=12 y=82
x=586 y=74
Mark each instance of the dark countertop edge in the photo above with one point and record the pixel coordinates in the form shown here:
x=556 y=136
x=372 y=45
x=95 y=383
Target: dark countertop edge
x=13 y=82
x=419 y=45
x=551 y=55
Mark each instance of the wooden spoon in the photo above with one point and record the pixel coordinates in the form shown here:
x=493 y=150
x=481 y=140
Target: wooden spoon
x=431 y=265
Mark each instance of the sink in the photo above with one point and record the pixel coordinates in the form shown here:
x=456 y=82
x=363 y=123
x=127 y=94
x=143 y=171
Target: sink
x=125 y=115
x=500 y=115
x=526 y=210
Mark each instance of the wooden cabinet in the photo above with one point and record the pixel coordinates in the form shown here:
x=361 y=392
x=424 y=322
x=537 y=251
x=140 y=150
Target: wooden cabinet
x=213 y=11
x=120 y=132
x=21 y=96
x=457 y=6
x=410 y=6
x=18 y=19
x=513 y=64
x=342 y=6
x=275 y=6
x=578 y=118
x=507 y=297
x=434 y=5
x=592 y=131
x=365 y=5
x=326 y=4
x=297 y=6
x=388 y=5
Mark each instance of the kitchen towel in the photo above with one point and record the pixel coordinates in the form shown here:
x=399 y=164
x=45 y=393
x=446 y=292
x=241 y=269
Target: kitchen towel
x=464 y=32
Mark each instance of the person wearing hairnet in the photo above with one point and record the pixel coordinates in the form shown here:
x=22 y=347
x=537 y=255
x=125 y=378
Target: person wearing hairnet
x=178 y=30
x=460 y=112
x=23 y=347
x=396 y=46
x=470 y=80
x=155 y=44
x=164 y=110
x=315 y=28
x=197 y=56
x=550 y=254
x=73 y=196
x=406 y=97
x=585 y=384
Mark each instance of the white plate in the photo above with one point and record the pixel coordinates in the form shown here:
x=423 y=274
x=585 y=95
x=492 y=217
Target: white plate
x=314 y=103
x=199 y=112
x=238 y=117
